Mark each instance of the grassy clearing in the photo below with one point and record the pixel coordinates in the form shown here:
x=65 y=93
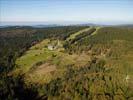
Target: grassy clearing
x=80 y=32
x=77 y=33
x=33 y=56
x=40 y=53
x=97 y=28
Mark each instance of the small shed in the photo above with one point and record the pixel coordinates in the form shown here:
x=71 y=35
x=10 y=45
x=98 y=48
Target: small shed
x=50 y=47
x=127 y=78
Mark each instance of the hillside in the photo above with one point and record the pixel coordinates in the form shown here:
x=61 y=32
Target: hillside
x=73 y=63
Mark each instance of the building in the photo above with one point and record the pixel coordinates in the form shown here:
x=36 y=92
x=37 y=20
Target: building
x=50 y=47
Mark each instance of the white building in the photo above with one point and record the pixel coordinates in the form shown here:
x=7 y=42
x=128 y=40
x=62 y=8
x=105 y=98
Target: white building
x=50 y=47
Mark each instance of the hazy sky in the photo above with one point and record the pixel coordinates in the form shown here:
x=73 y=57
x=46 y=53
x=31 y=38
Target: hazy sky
x=55 y=11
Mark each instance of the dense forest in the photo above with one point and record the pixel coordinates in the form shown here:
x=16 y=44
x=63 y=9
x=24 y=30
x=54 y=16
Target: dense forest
x=96 y=64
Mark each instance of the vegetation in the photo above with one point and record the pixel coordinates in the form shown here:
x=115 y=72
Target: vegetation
x=14 y=41
x=90 y=63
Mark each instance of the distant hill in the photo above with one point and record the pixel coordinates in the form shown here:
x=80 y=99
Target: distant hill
x=57 y=25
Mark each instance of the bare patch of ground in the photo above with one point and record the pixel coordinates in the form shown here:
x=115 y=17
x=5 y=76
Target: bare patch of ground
x=40 y=74
x=45 y=68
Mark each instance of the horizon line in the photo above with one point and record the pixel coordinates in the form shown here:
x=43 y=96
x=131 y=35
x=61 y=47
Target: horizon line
x=13 y=23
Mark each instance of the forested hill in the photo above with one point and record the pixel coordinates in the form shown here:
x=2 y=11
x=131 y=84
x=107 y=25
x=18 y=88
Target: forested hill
x=15 y=40
x=68 y=62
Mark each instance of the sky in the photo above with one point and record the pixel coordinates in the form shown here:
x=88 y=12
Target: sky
x=66 y=11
